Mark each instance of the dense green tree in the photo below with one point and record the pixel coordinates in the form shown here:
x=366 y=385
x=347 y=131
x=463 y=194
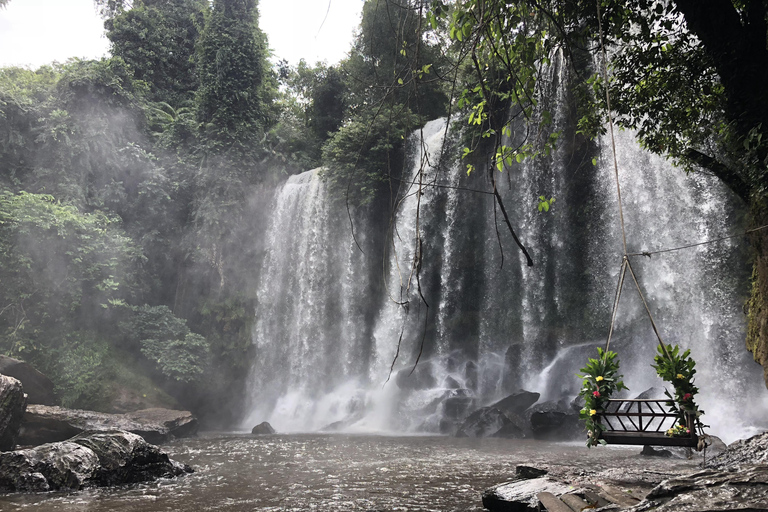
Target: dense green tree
x=392 y=75
x=234 y=90
x=157 y=38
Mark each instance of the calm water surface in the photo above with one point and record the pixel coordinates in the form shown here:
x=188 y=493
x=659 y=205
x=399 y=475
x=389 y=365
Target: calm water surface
x=240 y=472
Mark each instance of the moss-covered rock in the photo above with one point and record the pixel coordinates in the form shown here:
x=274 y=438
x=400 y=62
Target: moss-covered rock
x=757 y=309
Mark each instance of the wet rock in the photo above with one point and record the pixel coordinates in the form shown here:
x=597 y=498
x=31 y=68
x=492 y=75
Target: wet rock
x=421 y=378
x=49 y=467
x=745 y=451
x=457 y=407
x=511 y=431
x=517 y=402
x=648 y=394
x=13 y=403
x=484 y=422
x=451 y=383
x=650 y=451
x=745 y=489
x=264 y=428
x=520 y=495
x=104 y=458
x=38 y=387
x=470 y=375
x=126 y=458
x=49 y=424
x=162 y=425
x=528 y=472
x=511 y=379
x=555 y=421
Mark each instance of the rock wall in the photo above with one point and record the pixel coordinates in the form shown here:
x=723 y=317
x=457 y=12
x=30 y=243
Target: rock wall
x=757 y=309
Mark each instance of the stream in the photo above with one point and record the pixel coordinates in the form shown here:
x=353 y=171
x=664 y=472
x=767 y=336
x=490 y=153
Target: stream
x=335 y=472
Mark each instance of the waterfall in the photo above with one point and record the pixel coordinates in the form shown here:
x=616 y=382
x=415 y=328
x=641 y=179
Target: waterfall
x=325 y=336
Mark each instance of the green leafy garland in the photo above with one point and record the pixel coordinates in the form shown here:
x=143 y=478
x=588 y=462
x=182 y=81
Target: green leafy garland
x=600 y=382
x=679 y=369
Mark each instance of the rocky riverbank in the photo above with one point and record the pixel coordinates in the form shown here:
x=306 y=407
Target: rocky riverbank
x=736 y=479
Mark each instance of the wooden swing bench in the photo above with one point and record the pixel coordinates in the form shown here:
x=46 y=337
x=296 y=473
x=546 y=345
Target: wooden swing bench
x=643 y=422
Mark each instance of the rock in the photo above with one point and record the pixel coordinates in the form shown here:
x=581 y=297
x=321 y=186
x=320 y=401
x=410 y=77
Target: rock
x=470 y=375
x=457 y=407
x=49 y=467
x=451 y=383
x=38 y=387
x=527 y=472
x=555 y=421
x=648 y=394
x=513 y=371
x=103 y=458
x=484 y=422
x=262 y=429
x=49 y=424
x=162 y=425
x=126 y=458
x=510 y=431
x=517 y=402
x=650 y=451
x=421 y=378
x=744 y=451
x=710 y=490
x=13 y=403
x=520 y=495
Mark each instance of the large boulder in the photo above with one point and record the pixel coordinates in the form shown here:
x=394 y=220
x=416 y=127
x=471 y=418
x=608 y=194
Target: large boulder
x=555 y=421
x=517 y=402
x=484 y=422
x=126 y=458
x=38 y=387
x=264 y=428
x=48 y=467
x=50 y=424
x=13 y=403
x=93 y=459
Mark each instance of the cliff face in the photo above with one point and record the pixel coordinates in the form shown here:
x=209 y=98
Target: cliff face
x=757 y=329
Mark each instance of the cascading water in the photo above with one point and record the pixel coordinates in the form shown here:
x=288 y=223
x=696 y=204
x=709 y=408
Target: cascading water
x=325 y=337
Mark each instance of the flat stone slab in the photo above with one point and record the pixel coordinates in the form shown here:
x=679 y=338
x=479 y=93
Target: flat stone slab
x=50 y=424
x=521 y=495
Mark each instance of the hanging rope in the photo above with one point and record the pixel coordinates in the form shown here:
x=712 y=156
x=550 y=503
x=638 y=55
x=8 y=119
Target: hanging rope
x=688 y=246
x=610 y=125
x=622 y=273
x=625 y=260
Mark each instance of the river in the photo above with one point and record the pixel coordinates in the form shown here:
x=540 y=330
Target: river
x=335 y=472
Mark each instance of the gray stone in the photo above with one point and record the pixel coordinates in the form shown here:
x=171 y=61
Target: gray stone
x=744 y=451
x=126 y=458
x=517 y=402
x=49 y=424
x=263 y=428
x=457 y=407
x=49 y=467
x=13 y=403
x=38 y=387
x=103 y=458
x=484 y=422
x=555 y=421
x=745 y=489
x=520 y=495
